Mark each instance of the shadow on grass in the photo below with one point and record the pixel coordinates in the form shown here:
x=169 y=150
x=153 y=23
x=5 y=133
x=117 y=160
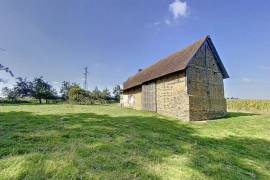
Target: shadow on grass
x=124 y=147
x=239 y=114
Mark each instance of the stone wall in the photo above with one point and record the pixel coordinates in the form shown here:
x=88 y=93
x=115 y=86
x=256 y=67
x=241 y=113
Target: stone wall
x=205 y=86
x=172 y=99
x=133 y=98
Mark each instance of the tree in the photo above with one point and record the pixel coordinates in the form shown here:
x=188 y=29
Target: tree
x=106 y=94
x=66 y=85
x=74 y=94
x=117 y=92
x=51 y=95
x=41 y=89
x=23 y=87
x=96 y=94
x=64 y=89
x=11 y=94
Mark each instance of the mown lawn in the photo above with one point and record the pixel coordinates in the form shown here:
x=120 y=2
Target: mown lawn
x=106 y=142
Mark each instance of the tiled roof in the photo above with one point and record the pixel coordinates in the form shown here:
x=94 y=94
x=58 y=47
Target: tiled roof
x=173 y=63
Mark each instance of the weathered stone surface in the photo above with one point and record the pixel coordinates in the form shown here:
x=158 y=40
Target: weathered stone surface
x=205 y=86
x=172 y=99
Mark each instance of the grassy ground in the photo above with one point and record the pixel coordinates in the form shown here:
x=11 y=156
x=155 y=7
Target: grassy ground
x=72 y=141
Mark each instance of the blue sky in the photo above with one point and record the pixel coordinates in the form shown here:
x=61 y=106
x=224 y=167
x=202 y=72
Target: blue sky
x=114 y=38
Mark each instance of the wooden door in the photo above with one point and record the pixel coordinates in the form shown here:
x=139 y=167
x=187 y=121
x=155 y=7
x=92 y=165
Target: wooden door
x=149 y=96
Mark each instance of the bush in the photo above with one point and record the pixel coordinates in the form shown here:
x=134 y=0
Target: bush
x=76 y=95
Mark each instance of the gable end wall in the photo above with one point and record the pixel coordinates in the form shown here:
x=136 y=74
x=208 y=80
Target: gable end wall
x=205 y=86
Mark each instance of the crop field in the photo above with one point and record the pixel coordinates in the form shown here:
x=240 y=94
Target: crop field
x=246 y=105
x=106 y=142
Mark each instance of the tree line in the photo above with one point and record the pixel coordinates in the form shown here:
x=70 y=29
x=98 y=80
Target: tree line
x=41 y=90
x=74 y=94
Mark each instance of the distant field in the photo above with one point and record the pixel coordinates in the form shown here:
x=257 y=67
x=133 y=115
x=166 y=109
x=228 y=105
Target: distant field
x=245 y=105
x=107 y=142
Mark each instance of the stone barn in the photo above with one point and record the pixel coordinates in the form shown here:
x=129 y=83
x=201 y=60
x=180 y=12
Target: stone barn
x=187 y=85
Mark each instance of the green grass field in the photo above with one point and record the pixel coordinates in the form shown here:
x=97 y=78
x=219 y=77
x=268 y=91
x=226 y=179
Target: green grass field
x=106 y=142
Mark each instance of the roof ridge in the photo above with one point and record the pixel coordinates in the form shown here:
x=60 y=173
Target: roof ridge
x=178 y=51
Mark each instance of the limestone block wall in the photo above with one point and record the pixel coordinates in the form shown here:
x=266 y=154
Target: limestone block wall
x=172 y=99
x=133 y=98
x=205 y=86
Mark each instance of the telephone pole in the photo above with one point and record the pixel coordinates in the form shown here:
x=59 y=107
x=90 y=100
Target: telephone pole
x=85 y=77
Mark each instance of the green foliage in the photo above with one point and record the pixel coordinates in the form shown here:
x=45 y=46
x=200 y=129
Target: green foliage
x=43 y=90
x=11 y=94
x=23 y=87
x=38 y=89
x=260 y=106
x=66 y=85
x=107 y=142
x=96 y=94
x=77 y=95
x=116 y=93
x=106 y=94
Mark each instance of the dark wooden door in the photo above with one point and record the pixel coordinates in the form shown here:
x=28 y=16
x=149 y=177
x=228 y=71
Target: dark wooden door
x=149 y=96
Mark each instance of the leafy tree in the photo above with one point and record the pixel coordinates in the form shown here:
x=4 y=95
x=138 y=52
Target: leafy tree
x=41 y=89
x=74 y=94
x=96 y=94
x=51 y=95
x=11 y=94
x=117 y=92
x=106 y=94
x=23 y=87
x=64 y=89
x=66 y=85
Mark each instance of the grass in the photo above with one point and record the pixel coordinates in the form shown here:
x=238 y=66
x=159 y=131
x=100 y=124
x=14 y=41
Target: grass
x=106 y=142
x=249 y=105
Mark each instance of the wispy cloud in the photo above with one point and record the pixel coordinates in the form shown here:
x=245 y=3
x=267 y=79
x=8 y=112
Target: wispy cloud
x=265 y=67
x=157 y=23
x=178 y=8
x=55 y=82
x=246 y=80
x=167 y=21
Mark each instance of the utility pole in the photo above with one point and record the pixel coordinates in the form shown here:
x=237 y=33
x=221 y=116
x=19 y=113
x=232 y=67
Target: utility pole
x=85 y=77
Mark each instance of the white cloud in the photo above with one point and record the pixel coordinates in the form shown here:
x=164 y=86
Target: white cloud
x=247 y=80
x=167 y=21
x=55 y=82
x=157 y=23
x=178 y=8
